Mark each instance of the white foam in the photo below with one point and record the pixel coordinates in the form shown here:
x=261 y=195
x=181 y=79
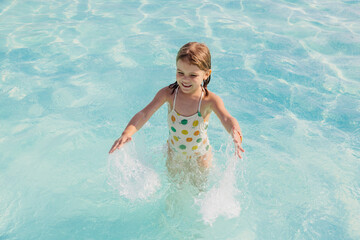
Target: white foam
x=221 y=200
x=129 y=176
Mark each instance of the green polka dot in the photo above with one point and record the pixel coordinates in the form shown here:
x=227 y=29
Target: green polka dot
x=184 y=122
x=199 y=114
x=199 y=140
x=206 y=127
x=173 y=129
x=207 y=147
x=183 y=147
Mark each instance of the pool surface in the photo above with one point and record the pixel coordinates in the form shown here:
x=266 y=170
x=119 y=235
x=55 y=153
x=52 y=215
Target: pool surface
x=73 y=73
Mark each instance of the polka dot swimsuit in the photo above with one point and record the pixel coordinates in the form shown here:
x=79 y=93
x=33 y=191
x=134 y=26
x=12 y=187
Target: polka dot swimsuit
x=188 y=135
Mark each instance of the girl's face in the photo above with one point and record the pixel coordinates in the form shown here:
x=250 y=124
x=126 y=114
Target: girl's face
x=190 y=77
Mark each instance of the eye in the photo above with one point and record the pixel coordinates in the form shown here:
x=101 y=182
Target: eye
x=180 y=73
x=194 y=75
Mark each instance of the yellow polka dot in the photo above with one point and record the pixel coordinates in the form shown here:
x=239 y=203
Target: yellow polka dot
x=184 y=132
x=176 y=138
x=195 y=123
x=184 y=153
x=194 y=148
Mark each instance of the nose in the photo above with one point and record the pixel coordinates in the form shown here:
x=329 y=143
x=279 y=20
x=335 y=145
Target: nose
x=187 y=78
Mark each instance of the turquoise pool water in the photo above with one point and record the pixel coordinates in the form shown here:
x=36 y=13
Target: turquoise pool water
x=73 y=73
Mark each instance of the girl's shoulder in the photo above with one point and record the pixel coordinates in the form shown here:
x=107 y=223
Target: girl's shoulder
x=212 y=97
x=165 y=93
x=212 y=101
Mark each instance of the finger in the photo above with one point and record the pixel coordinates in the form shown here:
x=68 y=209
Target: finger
x=237 y=144
x=115 y=143
x=120 y=144
x=239 y=155
x=113 y=148
x=237 y=152
x=123 y=142
x=128 y=140
x=241 y=149
x=237 y=139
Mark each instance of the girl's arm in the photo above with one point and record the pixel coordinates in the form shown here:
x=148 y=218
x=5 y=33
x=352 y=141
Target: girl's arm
x=230 y=123
x=140 y=119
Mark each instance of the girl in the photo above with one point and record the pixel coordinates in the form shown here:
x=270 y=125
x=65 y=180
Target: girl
x=190 y=105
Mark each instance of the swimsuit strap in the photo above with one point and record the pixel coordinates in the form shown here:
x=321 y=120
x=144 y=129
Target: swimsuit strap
x=175 y=98
x=200 y=100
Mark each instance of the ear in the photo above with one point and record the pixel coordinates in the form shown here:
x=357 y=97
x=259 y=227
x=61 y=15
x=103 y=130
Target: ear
x=207 y=74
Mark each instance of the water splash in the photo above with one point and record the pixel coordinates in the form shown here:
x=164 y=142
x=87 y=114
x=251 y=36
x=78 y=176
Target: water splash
x=221 y=199
x=129 y=176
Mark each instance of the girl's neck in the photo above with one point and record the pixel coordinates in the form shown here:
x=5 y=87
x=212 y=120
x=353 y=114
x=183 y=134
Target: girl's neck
x=194 y=94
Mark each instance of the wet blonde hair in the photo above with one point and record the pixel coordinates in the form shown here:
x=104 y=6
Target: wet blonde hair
x=197 y=54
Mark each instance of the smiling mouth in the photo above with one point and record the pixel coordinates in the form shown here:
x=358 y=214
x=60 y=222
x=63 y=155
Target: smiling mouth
x=186 y=86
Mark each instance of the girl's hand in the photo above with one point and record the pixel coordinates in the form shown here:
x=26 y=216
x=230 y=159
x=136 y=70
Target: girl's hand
x=237 y=137
x=121 y=141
